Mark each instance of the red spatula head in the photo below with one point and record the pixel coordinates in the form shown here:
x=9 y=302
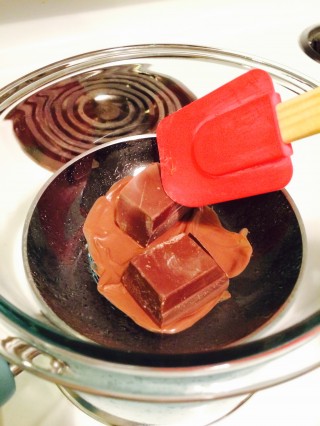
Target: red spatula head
x=226 y=145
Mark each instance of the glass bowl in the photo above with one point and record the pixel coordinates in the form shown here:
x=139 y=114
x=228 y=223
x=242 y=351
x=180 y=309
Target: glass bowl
x=132 y=377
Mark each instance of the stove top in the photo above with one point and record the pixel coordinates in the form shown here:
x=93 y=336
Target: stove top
x=45 y=31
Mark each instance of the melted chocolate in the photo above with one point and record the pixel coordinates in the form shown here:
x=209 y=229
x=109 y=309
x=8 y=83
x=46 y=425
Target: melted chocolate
x=112 y=250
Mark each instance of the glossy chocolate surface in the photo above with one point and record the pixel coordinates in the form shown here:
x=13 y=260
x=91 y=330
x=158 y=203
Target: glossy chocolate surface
x=144 y=211
x=174 y=278
x=111 y=249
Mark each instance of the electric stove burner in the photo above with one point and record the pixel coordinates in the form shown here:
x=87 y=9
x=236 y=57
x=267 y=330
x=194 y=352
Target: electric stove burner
x=67 y=118
x=310 y=42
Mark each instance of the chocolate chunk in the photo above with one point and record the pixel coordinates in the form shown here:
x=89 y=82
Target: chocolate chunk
x=144 y=211
x=174 y=278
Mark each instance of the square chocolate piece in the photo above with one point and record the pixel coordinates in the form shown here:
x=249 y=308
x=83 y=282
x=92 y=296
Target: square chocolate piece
x=144 y=211
x=173 y=279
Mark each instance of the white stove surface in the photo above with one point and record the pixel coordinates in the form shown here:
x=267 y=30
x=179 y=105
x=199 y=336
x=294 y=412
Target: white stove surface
x=296 y=403
x=35 y=33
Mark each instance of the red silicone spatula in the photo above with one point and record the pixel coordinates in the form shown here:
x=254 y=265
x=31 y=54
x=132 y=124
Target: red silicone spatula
x=234 y=142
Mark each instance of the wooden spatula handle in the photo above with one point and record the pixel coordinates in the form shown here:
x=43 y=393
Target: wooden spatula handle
x=299 y=117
